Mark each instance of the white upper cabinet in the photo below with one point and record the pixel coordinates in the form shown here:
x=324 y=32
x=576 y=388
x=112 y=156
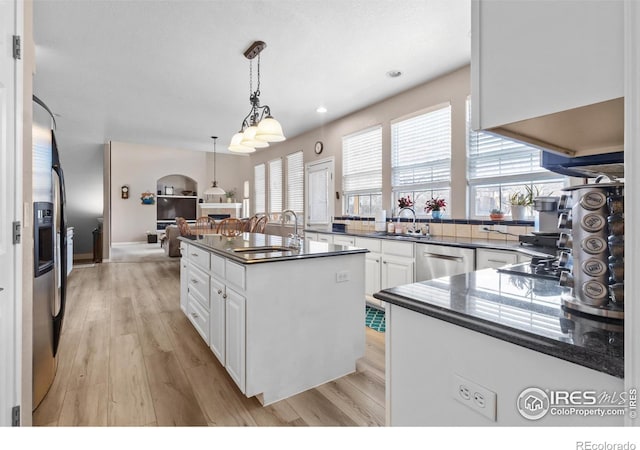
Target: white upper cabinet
x=533 y=59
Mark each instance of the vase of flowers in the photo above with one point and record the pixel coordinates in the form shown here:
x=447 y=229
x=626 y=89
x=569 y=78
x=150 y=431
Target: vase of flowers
x=405 y=202
x=147 y=198
x=435 y=206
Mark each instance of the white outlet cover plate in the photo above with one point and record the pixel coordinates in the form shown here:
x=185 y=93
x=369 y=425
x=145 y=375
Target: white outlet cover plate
x=490 y=397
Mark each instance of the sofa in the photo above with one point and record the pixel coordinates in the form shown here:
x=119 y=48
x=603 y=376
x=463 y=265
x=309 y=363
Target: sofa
x=170 y=241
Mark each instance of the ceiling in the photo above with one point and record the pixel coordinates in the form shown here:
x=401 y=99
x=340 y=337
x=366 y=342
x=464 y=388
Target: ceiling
x=172 y=73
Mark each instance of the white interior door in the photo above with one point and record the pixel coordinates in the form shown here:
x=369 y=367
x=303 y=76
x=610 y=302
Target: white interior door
x=320 y=185
x=9 y=260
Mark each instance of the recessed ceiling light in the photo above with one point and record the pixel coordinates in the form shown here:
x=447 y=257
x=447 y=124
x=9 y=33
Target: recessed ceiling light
x=321 y=109
x=394 y=73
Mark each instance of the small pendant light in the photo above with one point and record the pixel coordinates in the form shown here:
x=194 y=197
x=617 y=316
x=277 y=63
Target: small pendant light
x=214 y=189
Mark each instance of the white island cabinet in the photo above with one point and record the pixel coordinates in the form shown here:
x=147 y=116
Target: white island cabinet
x=282 y=325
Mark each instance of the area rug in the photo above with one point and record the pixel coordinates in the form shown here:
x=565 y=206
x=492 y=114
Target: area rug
x=375 y=319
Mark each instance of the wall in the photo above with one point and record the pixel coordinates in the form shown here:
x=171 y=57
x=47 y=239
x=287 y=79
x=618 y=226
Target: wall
x=140 y=166
x=453 y=87
x=83 y=166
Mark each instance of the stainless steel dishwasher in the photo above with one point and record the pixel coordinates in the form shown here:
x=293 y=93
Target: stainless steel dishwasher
x=435 y=261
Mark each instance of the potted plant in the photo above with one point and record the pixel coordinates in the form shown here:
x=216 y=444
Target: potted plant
x=435 y=206
x=230 y=195
x=405 y=202
x=521 y=201
x=496 y=214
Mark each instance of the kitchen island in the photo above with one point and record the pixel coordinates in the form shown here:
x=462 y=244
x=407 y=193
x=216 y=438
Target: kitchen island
x=495 y=334
x=282 y=317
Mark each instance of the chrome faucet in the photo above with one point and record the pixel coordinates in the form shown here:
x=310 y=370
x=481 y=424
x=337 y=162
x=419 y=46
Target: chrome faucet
x=412 y=212
x=295 y=237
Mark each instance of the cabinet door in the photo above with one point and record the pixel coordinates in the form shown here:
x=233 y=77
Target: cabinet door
x=184 y=284
x=494 y=258
x=530 y=59
x=372 y=262
x=235 y=337
x=396 y=271
x=217 y=319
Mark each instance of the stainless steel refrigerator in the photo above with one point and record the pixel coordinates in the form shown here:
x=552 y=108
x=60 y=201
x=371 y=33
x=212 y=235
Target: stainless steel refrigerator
x=50 y=256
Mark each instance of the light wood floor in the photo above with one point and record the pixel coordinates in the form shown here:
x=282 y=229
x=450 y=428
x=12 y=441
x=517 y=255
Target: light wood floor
x=129 y=357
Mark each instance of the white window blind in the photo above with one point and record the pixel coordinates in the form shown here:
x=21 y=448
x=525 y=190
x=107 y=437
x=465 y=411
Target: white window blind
x=499 y=167
x=259 y=189
x=275 y=185
x=421 y=151
x=295 y=182
x=362 y=161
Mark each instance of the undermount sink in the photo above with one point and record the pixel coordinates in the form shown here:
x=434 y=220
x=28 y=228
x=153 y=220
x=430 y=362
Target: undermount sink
x=264 y=249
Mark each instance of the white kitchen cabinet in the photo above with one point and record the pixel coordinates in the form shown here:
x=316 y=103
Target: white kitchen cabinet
x=398 y=263
x=344 y=240
x=197 y=286
x=260 y=326
x=235 y=337
x=217 y=320
x=310 y=236
x=489 y=258
x=396 y=271
x=532 y=59
x=323 y=237
x=184 y=276
x=372 y=273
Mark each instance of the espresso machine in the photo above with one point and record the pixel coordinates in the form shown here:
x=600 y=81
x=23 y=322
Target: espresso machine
x=545 y=230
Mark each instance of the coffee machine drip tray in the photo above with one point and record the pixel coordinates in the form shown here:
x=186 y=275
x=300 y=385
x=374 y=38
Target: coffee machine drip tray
x=610 y=311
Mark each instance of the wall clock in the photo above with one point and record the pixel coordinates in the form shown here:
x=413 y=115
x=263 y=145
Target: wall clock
x=318 y=148
x=124 y=191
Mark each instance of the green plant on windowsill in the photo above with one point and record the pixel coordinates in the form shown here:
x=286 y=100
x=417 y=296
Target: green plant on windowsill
x=519 y=198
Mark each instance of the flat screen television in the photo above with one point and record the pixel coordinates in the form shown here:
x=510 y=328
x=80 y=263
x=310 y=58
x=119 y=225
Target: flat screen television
x=171 y=207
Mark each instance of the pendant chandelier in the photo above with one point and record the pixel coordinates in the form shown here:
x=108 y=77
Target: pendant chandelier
x=214 y=189
x=258 y=127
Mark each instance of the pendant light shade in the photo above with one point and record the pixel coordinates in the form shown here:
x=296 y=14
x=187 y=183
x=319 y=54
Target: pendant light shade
x=236 y=144
x=249 y=138
x=270 y=130
x=214 y=189
x=258 y=127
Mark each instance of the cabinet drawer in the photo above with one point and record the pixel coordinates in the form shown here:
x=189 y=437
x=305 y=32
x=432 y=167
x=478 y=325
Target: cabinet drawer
x=217 y=266
x=199 y=318
x=325 y=238
x=235 y=274
x=373 y=245
x=494 y=258
x=199 y=285
x=184 y=248
x=199 y=257
x=397 y=248
x=344 y=240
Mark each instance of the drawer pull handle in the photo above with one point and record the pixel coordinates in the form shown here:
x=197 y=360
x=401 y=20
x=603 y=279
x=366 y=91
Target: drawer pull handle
x=219 y=291
x=224 y=296
x=194 y=254
x=194 y=315
x=193 y=280
x=447 y=257
x=497 y=261
x=384 y=262
x=377 y=260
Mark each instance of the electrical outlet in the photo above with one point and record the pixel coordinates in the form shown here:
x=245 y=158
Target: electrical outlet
x=342 y=276
x=478 y=398
x=500 y=228
x=484 y=228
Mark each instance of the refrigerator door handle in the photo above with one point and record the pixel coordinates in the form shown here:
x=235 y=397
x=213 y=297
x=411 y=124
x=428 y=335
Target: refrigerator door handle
x=59 y=316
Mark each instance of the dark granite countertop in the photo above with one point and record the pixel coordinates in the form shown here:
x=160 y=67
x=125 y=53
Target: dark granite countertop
x=445 y=240
x=264 y=247
x=522 y=310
